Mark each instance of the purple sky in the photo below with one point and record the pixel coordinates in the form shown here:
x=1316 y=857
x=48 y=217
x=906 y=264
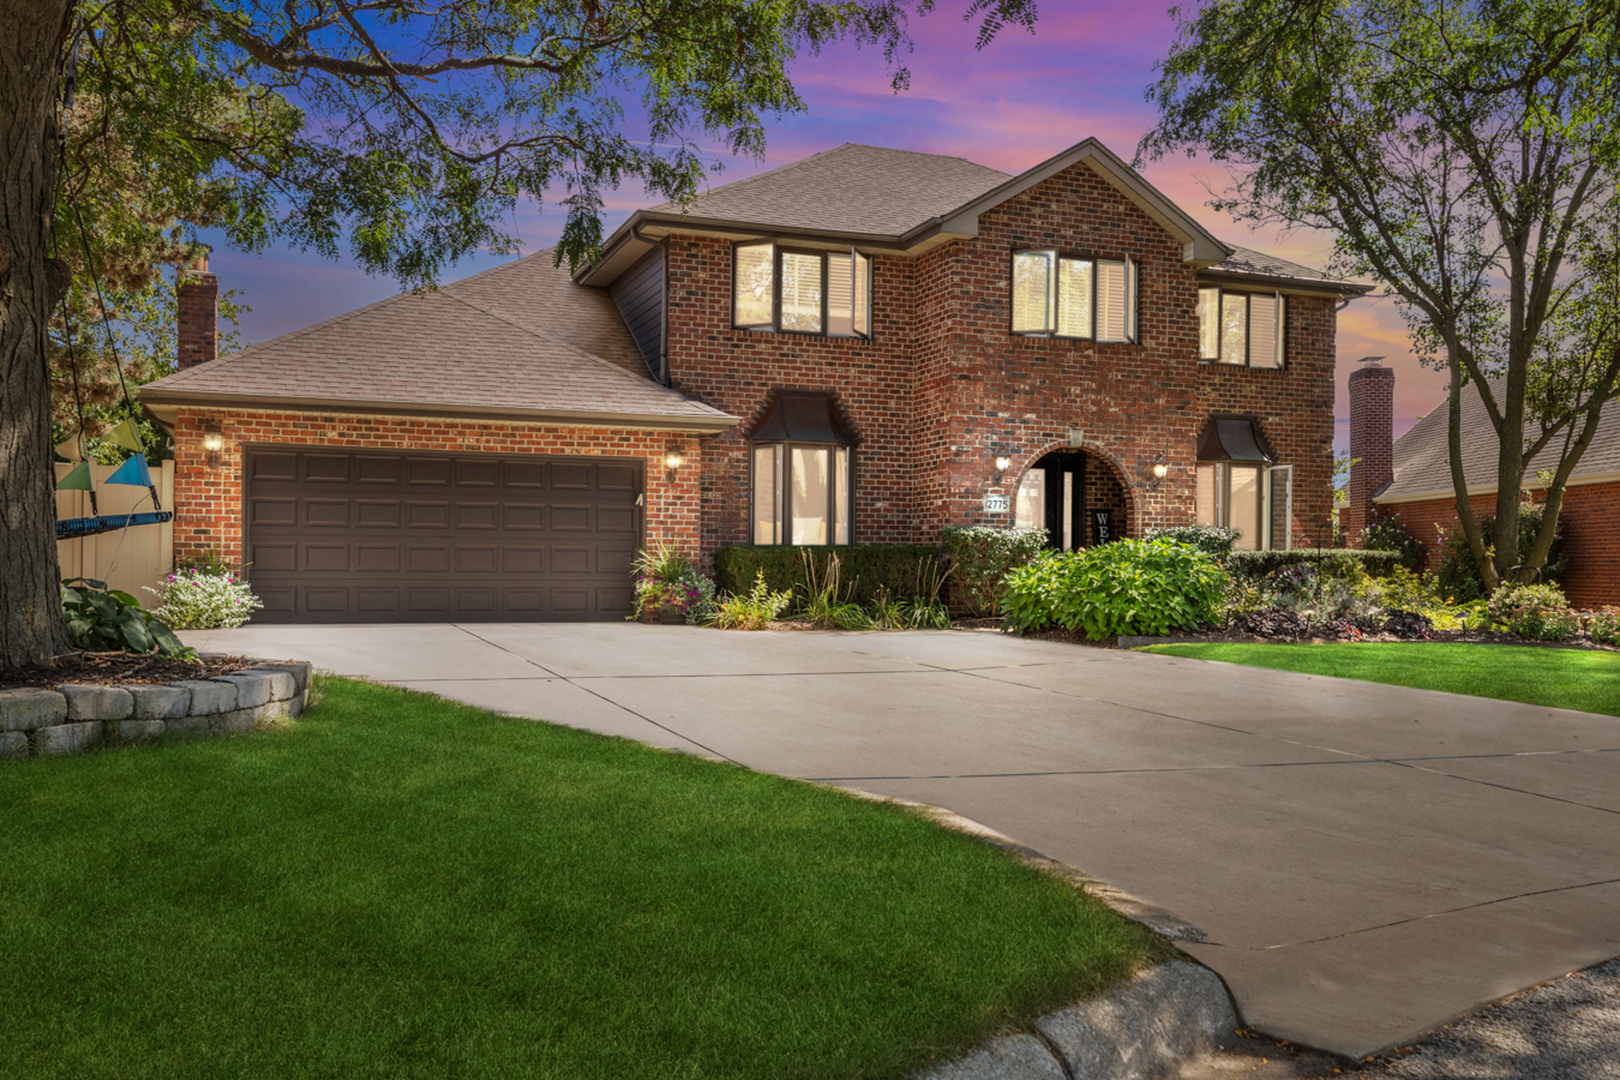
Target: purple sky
x=1011 y=106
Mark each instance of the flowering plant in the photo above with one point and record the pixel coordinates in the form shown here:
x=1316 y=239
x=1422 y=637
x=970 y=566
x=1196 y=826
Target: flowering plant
x=195 y=599
x=666 y=578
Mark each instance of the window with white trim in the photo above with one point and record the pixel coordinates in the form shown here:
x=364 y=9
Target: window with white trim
x=801 y=292
x=1241 y=328
x=1055 y=295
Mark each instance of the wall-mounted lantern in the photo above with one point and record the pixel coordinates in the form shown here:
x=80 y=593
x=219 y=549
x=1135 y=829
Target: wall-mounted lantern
x=1161 y=467
x=213 y=443
x=1003 y=462
x=672 y=461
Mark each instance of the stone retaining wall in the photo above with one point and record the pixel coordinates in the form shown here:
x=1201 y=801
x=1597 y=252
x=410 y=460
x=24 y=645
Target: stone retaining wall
x=69 y=718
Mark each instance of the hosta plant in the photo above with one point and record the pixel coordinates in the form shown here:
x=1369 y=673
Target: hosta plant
x=195 y=599
x=100 y=619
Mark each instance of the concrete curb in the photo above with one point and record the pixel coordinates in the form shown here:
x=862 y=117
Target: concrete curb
x=1142 y=1029
x=1160 y=1018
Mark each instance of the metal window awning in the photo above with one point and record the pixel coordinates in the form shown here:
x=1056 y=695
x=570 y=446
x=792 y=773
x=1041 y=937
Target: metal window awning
x=1231 y=439
x=797 y=416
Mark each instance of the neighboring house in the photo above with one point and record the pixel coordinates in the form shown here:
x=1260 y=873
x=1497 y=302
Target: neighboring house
x=1418 y=489
x=865 y=346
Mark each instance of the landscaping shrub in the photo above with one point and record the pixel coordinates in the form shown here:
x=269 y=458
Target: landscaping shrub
x=1459 y=576
x=751 y=610
x=1257 y=564
x=1126 y=587
x=827 y=605
x=1605 y=626
x=982 y=556
x=1215 y=539
x=199 y=599
x=1389 y=534
x=100 y=619
x=1537 y=612
x=901 y=571
x=666 y=578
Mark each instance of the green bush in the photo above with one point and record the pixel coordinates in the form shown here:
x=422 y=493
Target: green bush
x=900 y=571
x=1459 y=575
x=1605 y=627
x=100 y=619
x=982 y=556
x=1389 y=534
x=1258 y=564
x=1537 y=612
x=1215 y=539
x=753 y=609
x=1127 y=587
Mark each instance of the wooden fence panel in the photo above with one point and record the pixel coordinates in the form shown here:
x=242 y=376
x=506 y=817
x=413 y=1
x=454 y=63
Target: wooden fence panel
x=130 y=559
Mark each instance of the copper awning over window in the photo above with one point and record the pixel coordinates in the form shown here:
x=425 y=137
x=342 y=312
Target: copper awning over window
x=1231 y=439
x=798 y=416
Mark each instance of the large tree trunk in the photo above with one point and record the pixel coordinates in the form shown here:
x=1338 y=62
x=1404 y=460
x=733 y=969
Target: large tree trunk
x=32 y=34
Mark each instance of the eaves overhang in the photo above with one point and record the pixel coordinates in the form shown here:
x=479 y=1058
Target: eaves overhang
x=1292 y=286
x=1611 y=476
x=161 y=402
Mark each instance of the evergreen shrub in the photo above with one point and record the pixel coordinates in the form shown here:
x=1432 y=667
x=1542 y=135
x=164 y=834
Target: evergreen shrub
x=981 y=557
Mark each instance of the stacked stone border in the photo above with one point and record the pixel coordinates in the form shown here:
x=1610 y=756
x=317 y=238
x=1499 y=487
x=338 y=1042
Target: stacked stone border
x=71 y=718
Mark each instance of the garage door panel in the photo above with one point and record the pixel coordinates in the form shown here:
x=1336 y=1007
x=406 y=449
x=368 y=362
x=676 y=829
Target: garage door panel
x=369 y=536
x=377 y=513
x=378 y=470
x=326 y=513
x=327 y=468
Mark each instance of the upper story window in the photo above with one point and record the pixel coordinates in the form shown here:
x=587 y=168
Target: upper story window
x=1057 y=296
x=801 y=292
x=1243 y=328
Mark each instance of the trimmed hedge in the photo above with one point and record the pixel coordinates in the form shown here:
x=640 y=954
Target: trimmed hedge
x=1257 y=564
x=902 y=570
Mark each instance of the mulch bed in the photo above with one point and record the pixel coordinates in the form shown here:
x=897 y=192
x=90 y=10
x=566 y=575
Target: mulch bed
x=106 y=669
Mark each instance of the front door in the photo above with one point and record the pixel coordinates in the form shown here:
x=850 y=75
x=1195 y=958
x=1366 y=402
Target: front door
x=1065 y=488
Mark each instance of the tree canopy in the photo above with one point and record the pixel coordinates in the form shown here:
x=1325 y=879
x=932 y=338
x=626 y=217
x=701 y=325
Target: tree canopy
x=1463 y=153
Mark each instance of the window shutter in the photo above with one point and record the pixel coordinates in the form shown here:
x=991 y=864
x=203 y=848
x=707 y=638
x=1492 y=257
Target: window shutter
x=1280 y=508
x=1263 y=330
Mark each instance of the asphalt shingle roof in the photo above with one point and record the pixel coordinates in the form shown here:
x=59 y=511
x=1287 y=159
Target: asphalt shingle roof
x=1248 y=261
x=852 y=189
x=521 y=336
x=1423 y=462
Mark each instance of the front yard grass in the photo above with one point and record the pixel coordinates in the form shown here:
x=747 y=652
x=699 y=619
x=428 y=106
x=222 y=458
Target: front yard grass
x=399 y=886
x=1588 y=680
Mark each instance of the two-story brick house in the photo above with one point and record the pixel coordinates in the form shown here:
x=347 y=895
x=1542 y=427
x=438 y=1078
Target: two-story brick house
x=862 y=347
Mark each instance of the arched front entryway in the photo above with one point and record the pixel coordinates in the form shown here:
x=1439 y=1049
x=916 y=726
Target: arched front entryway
x=1076 y=496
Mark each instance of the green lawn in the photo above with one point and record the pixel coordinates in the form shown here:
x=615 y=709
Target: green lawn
x=397 y=886
x=1561 y=678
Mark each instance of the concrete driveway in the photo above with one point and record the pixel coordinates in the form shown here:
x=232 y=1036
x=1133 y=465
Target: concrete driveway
x=1366 y=862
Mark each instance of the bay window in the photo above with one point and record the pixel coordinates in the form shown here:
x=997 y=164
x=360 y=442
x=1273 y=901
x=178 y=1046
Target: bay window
x=1242 y=328
x=1238 y=486
x=1055 y=295
x=801 y=476
x=802 y=292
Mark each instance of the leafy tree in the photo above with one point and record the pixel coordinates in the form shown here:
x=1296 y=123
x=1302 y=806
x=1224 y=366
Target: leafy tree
x=1463 y=153
x=406 y=131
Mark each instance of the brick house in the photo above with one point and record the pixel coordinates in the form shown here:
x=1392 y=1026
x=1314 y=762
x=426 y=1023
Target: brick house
x=1410 y=479
x=861 y=347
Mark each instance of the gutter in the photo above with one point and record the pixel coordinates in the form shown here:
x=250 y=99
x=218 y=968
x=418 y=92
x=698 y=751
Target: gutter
x=714 y=424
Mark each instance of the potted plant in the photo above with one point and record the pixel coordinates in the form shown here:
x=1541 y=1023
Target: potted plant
x=668 y=588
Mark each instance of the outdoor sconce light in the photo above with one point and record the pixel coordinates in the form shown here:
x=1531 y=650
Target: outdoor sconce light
x=672 y=461
x=1161 y=467
x=213 y=442
x=1003 y=463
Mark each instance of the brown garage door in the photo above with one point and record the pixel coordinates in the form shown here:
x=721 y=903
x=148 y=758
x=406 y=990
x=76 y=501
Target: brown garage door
x=356 y=536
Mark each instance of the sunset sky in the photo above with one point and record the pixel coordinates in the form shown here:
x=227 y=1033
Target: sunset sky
x=1018 y=102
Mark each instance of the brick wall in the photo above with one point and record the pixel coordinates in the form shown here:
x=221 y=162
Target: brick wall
x=1589 y=520
x=208 y=513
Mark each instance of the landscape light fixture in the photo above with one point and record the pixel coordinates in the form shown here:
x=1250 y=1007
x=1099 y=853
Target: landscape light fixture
x=213 y=442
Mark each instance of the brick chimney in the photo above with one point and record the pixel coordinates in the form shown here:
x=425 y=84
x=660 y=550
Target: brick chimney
x=1372 y=442
x=199 y=314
